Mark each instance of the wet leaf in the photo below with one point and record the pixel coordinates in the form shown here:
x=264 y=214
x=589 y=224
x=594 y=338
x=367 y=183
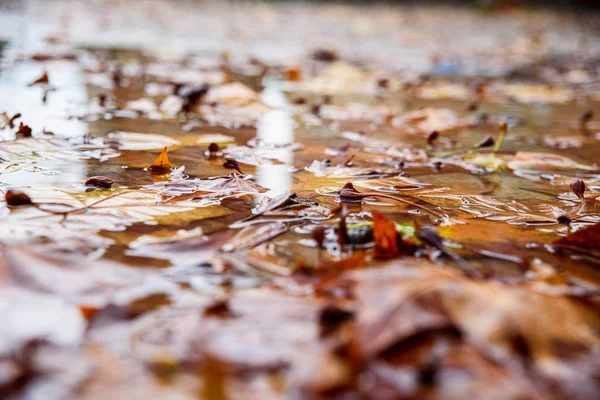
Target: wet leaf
x=101 y=182
x=231 y=163
x=8 y=120
x=578 y=187
x=161 y=165
x=23 y=131
x=42 y=80
x=252 y=236
x=221 y=185
x=583 y=241
x=15 y=198
x=386 y=237
x=405 y=300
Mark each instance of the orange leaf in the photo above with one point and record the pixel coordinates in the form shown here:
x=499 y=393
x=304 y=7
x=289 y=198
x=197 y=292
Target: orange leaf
x=161 y=165
x=386 y=237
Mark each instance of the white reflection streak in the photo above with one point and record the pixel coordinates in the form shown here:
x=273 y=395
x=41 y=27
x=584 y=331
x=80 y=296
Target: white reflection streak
x=276 y=128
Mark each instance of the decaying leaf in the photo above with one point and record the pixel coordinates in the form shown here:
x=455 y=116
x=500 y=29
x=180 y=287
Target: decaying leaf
x=407 y=299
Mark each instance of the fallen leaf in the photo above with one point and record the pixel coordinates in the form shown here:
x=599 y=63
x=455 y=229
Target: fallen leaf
x=42 y=80
x=409 y=298
x=253 y=236
x=386 y=237
x=101 y=182
x=161 y=165
x=15 y=198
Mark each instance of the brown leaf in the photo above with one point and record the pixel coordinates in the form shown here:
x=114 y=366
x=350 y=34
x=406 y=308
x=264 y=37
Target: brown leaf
x=231 y=163
x=219 y=309
x=331 y=318
x=584 y=241
x=41 y=80
x=15 y=198
x=23 y=131
x=343 y=237
x=349 y=194
x=101 y=182
x=161 y=165
x=8 y=120
x=324 y=55
x=578 y=187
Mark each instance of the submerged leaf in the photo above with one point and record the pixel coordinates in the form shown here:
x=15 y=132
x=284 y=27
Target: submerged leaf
x=252 y=236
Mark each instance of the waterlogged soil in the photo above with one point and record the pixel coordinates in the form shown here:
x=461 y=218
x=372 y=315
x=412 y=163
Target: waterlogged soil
x=214 y=226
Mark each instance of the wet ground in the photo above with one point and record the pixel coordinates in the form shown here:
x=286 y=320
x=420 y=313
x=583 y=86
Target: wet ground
x=400 y=207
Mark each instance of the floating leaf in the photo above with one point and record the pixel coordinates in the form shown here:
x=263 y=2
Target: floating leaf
x=42 y=80
x=15 y=198
x=407 y=299
x=100 y=182
x=161 y=165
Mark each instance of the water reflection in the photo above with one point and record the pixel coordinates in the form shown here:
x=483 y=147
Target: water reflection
x=67 y=96
x=275 y=131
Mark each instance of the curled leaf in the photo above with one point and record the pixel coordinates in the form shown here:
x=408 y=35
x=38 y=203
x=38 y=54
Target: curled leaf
x=585 y=118
x=101 y=182
x=432 y=137
x=386 y=237
x=578 y=187
x=42 y=80
x=231 y=163
x=161 y=165
x=503 y=128
x=485 y=142
x=429 y=235
x=318 y=235
x=15 y=198
x=349 y=194
x=24 y=130
x=8 y=120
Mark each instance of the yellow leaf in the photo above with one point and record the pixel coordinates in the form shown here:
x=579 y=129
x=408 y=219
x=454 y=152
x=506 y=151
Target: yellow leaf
x=161 y=165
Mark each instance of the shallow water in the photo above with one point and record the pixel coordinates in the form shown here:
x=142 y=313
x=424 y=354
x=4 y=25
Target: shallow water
x=497 y=209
